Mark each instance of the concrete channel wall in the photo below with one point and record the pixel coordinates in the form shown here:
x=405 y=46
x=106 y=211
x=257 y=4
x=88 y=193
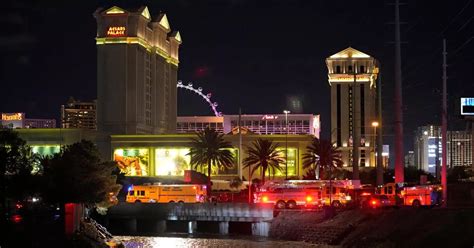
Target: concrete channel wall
x=154 y=218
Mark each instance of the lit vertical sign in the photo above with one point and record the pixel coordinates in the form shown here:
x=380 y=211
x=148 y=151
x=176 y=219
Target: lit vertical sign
x=116 y=31
x=467 y=105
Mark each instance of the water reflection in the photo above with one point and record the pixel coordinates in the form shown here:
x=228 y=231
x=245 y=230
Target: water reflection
x=146 y=242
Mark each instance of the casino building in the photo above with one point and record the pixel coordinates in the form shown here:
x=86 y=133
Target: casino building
x=137 y=126
x=137 y=66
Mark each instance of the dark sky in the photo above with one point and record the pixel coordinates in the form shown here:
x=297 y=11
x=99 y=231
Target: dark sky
x=248 y=53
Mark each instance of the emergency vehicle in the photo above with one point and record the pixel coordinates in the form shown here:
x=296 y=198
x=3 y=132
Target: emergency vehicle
x=184 y=193
x=418 y=195
x=293 y=193
x=290 y=197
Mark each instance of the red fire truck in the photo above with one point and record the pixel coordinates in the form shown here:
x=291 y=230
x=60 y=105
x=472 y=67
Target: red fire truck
x=290 y=197
x=305 y=193
x=418 y=195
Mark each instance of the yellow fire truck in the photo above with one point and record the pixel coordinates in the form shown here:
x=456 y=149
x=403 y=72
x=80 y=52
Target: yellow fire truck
x=184 y=193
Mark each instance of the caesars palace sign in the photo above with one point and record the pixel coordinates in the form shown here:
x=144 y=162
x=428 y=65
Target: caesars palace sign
x=116 y=31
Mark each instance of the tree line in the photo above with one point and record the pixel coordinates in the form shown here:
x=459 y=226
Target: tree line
x=74 y=175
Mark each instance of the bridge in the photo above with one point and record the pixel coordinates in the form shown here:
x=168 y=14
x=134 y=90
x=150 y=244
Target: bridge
x=155 y=217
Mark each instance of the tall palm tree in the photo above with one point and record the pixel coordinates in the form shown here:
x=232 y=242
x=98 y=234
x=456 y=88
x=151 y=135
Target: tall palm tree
x=321 y=154
x=263 y=154
x=210 y=149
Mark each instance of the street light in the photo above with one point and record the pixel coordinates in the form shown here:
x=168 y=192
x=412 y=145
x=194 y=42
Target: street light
x=375 y=124
x=286 y=112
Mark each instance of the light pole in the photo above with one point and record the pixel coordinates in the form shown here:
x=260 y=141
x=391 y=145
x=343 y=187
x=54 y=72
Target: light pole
x=286 y=143
x=375 y=124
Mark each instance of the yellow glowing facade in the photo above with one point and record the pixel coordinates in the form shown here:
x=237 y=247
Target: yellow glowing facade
x=167 y=155
x=114 y=10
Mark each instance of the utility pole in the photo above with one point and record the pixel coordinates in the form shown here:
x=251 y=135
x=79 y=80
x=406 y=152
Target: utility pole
x=240 y=144
x=444 y=124
x=355 y=133
x=286 y=143
x=472 y=144
x=399 y=166
x=379 y=134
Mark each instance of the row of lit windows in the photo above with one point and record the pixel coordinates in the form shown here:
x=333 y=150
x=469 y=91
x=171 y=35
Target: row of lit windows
x=271 y=123
x=343 y=67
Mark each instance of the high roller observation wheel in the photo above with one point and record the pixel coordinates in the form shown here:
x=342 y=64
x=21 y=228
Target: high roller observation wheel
x=206 y=97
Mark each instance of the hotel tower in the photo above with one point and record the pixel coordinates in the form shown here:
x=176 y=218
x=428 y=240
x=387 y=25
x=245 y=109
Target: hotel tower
x=137 y=65
x=352 y=76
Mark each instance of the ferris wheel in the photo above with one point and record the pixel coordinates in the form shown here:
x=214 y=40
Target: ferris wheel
x=206 y=97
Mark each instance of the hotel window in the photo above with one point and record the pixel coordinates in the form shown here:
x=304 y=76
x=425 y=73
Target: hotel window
x=338 y=69
x=362 y=69
x=349 y=68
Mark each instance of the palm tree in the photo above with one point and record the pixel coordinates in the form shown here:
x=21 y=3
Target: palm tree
x=210 y=149
x=321 y=154
x=263 y=154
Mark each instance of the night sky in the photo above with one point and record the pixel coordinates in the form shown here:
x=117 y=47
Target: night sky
x=248 y=53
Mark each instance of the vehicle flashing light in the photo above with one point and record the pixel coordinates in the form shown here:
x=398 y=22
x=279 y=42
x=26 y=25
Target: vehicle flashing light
x=17 y=218
x=374 y=202
x=348 y=198
x=194 y=187
x=309 y=198
x=130 y=188
x=365 y=193
x=265 y=198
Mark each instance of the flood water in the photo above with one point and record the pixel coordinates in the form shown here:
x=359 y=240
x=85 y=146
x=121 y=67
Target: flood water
x=209 y=241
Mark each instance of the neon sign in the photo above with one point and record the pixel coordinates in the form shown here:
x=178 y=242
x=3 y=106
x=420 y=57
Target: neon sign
x=269 y=117
x=116 y=31
x=12 y=117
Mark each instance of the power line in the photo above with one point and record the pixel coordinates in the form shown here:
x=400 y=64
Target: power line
x=465 y=24
x=462 y=46
x=454 y=18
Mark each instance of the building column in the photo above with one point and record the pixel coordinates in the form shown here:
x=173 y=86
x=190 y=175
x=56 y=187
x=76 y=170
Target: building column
x=224 y=227
x=261 y=228
x=192 y=226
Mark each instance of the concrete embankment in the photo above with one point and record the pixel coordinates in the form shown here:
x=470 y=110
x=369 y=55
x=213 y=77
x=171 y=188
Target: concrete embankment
x=379 y=228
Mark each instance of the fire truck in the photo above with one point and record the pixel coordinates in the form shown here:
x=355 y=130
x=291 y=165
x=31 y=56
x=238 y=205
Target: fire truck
x=290 y=197
x=305 y=193
x=180 y=193
x=418 y=195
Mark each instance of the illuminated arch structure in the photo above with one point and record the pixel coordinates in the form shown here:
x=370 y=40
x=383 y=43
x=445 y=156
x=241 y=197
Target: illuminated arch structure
x=206 y=97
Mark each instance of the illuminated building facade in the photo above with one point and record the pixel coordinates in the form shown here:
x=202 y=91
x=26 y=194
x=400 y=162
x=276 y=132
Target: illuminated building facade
x=353 y=72
x=459 y=144
x=19 y=120
x=137 y=64
x=166 y=155
x=77 y=114
x=306 y=124
x=269 y=124
x=191 y=124
x=428 y=148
